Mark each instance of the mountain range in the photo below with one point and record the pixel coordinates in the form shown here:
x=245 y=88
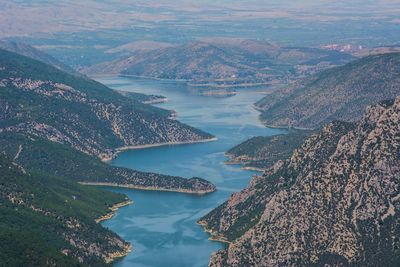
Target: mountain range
x=223 y=63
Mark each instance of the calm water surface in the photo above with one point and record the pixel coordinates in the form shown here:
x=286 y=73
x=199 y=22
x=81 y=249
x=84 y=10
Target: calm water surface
x=162 y=225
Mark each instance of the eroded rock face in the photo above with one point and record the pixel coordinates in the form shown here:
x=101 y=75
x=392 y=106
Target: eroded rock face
x=335 y=201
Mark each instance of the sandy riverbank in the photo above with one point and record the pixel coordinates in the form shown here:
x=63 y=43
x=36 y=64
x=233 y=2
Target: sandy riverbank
x=149 y=188
x=166 y=144
x=113 y=210
x=116 y=255
x=125 y=148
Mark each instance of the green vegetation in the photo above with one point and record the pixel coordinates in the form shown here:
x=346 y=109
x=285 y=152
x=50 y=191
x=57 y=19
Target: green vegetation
x=47 y=220
x=43 y=156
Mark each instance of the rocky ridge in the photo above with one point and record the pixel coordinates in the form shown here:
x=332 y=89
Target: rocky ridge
x=334 y=202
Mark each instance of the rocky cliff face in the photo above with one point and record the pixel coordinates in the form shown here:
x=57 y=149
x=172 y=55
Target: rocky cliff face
x=340 y=93
x=335 y=201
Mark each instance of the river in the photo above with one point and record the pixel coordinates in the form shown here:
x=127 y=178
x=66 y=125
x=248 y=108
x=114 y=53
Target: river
x=162 y=225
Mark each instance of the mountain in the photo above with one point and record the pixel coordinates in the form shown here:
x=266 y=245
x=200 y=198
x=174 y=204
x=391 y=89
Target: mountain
x=334 y=202
x=31 y=52
x=223 y=63
x=48 y=221
x=340 y=93
x=261 y=152
x=39 y=100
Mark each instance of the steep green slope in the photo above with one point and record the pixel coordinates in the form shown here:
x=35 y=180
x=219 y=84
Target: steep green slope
x=48 y=221
x=341 y=93
x=40 y=155
x=40 y=100
x=334 y=202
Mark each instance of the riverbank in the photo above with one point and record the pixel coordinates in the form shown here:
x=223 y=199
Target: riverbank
x=243 y=166
x=213 y=235
x=234 y=160
x=128 y=247
x=121 y=149
x=125 y=148
x=149 y=188
x=117 y=255
x=113 y=209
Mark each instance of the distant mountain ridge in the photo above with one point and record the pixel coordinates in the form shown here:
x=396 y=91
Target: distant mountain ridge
x=223 y=63
x=334 y=202
x=31 y=52
x=340 y=93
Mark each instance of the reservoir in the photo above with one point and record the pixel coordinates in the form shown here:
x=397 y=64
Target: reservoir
x=162 y=225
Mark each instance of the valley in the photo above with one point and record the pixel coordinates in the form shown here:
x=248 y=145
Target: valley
x=164 y=223
x=185 y=133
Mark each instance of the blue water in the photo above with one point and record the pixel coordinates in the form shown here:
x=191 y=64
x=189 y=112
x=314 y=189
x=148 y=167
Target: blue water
x=162 y=225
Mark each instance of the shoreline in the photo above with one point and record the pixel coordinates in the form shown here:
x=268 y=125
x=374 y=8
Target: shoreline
x=242 y=164
x=125 y=148
x=117 y=255
x=189 y=83
x=108 y=75
x=286 y=127
x=147 y=188
x=213 y=235
x=128 y=248
x=113 y=209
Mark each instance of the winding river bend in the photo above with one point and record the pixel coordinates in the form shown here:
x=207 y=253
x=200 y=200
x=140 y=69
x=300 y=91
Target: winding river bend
x=162 y=225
